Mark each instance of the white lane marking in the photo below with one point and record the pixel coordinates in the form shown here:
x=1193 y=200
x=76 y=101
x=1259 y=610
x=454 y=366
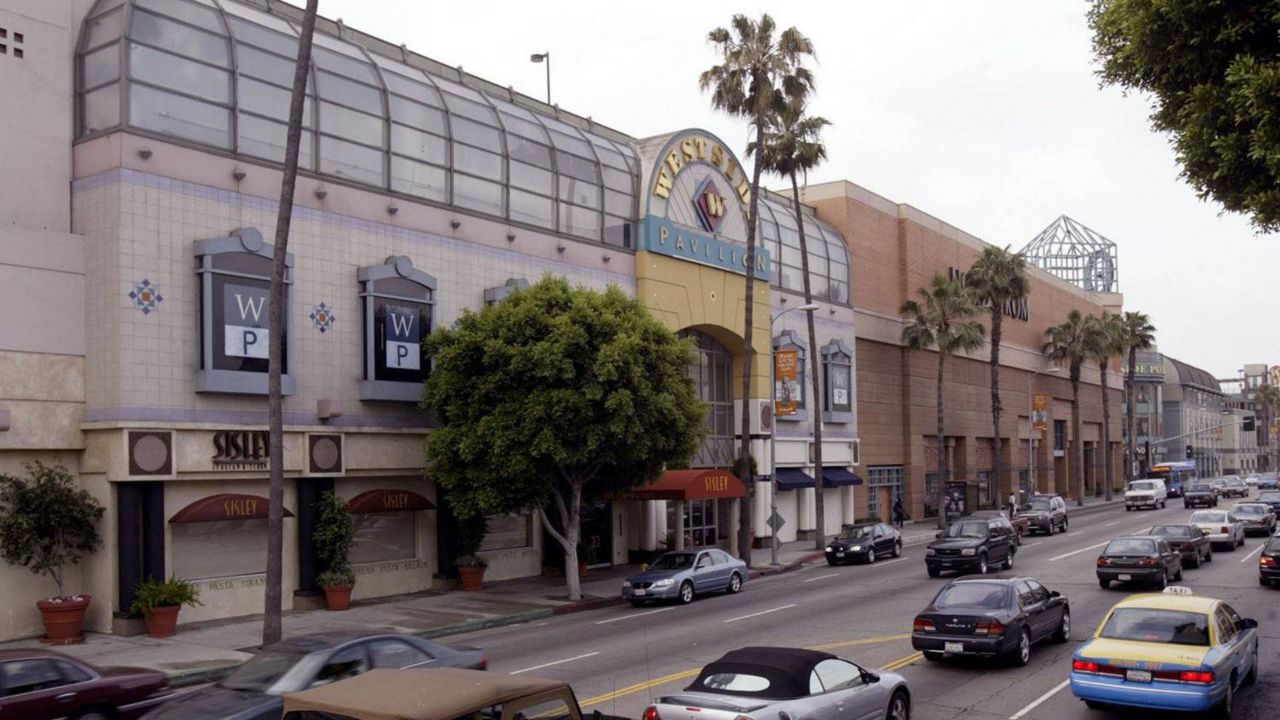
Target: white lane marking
x=633 y=615
x=1029 y=544
x=557 y=662
x=1040 y=700
x=1113 y=523
x=1077 y=552
x=820 y=577
x=1078 y=532
x=1255 y=552
x=762 y=612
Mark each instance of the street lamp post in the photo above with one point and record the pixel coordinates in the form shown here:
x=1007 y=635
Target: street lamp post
x=1031 y=426
x=544 y=57
x=773 y=433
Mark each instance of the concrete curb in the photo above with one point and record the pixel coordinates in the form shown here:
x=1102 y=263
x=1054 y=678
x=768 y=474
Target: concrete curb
x=189 y=678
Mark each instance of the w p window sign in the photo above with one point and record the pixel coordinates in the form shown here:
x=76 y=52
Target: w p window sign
x=245 y=312
x=404 y=337
x=398 y=300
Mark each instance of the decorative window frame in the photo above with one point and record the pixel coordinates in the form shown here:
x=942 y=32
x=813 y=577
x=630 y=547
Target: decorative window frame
x=395 y=267
x=790 y=340
x=836 y=353
x=495 y=295
x=237 y=382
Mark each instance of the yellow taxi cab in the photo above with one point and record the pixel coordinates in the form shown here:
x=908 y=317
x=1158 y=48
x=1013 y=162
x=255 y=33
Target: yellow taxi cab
x=1168 y=651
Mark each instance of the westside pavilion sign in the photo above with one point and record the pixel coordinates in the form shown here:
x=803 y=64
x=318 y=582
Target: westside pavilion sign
x=664 y=237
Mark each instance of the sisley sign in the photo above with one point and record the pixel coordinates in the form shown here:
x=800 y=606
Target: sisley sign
x=246 y=310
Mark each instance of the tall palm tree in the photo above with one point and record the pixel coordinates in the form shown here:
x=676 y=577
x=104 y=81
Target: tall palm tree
x=758 y=73
x=792 y=147
x=1106 y=341
x=943 y=318
x=1268 y=399
x=1138 y=334
x=997 y=278
x=1069 y=343
x=273 y=593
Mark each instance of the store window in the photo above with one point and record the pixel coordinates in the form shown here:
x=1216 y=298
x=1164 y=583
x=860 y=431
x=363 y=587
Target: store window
x=398 y=300
x=225 y=548
x=385 y=536
x=508 y=532
x=700 y=522
x=792 y=390
x=1059 y=436
x=882 y=478
x=234 y=309
x=837 y=381
x=712 y=374
x=986 y=489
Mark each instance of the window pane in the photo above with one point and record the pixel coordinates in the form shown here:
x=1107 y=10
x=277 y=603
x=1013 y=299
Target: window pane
x=384 y=536
x=418 y=179
x=395 y=654
x=528 y=151
x=579 y=192
x=453 y=87
x=251 y=61
x=817 y=265
x=179 y=73
x=327 y=59
x=179 y=38
x=266 y=138
x=350 y=124
x=468 y=109
x=575 y=166
x=247 y=32
x=533 y=209
x=418 y=115
x=419 y=145
x=354 y=162
x=617 y=203
x=475 y=134
x=477 y=194
x=104 y=29
x=219 y=549
x=100 y=66
x=532 y=178
x=525 y=128
x=611 y=157
x=579 y=221
x=839 y=272
x=197 y=15
x=572 y=144
x=179 y=116
x=618 y=180
x=348 y=92
x=477 y=162
x=617 y=231
x=506 y=532
x=269 y=100
x=411 y=88
x=102 y=109
x=791 y=278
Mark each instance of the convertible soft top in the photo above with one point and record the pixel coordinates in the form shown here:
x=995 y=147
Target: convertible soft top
x=417 y=694
x=786 y=669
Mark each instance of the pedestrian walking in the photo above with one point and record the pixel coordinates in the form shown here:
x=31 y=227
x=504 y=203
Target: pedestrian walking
x=1013 y=503
x=899 y=513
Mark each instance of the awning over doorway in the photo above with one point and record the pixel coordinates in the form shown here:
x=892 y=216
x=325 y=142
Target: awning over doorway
x=225 y=506
x=794 y=479
x=840 y=477
x=388 y=500
x=689 y=485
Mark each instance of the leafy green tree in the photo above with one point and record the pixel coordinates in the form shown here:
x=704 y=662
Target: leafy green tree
x=1137 y=333
x=1106 y=341
x=555 y=396
x=758 y=73
x=792 y=147
x=997 y=278
x=1211 y=68
x=943 y=318
x=1069 y=343
x=47 y=522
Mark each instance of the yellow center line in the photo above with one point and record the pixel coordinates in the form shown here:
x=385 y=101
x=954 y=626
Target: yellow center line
x=903 y=662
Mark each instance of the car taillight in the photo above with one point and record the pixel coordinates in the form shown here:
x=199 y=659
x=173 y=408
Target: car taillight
x=1266 y=560
x=922 y=625
x=1148 y=562
x=1104 y=561
x=1085 y=666
x=484 y=663
x=1196 y=676
x=1225 y=530
x=989 y=627
x=650 y=713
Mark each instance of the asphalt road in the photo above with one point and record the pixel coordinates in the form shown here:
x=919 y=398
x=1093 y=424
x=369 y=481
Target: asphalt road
x=619 y=659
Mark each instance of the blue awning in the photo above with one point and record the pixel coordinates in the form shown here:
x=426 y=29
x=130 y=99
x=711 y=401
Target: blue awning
x=794 y=479
x=840 y=477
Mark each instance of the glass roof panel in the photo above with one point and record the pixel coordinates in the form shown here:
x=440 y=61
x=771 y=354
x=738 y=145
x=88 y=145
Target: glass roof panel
x=457 y=89
x=258 y=36
x=256 y=16
x=202 y=16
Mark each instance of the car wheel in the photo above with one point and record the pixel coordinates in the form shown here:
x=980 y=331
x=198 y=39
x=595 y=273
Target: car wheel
x=1185 y=506
x=1241 y=542
x=897 y=549
x=1252 y=677
x=1178 y=577
x=933 y=656
x=1163 y=582
x=1208 y=554
x=1095 y=705
x=1065 y=523
x=1128 y=508
x=686 y=592
x=1104 y=584
x=735 y=583
x=1224 y=709
x=1008 y=559
x=93 y=715
x=1063 y=633
x=1264 y=582
x=899 y=707
x=831 y=562
x=1022 y=655
x=934 y=572
x=1017 y=539
x=982 y=564
x=871 y=556
x=1195 y=561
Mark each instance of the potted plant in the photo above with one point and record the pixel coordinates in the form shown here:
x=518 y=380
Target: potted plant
x=586 y=557
x=159 y=602
x=46 y=524
x=470 y=564
x=333 y=537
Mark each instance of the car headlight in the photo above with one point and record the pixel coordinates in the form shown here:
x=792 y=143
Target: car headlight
x=856 y=548
x=968 y=551
x=665 y=582
x=830 y=549
x=626 y=583
x=930 y=551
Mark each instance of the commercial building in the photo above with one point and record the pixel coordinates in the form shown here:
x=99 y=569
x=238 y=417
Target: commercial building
x=1195 y=414
x=1149 y=411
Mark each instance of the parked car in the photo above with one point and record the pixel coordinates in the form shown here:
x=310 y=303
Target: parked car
x=1221 y=527
x=769 y=682
x=39 y=684
x=1272 y=498
x=1269 y=562
x=1045 y=513
x=683 y=574
x=991 y=618
x=1146 y=493
x=971 y=546
x=864 y=542
x=1021 y=524
x=1188 y=540
x=1257 y=518
x=1144 y=559
x=1233 y=487
x=255 y=688
x=1200 y=494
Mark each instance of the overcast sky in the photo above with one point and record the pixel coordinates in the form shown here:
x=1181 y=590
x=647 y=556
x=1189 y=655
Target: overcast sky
x=985 y=113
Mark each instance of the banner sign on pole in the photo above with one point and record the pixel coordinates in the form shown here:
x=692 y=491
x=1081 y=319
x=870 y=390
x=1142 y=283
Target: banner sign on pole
x=1040 y=412
x=786 y=389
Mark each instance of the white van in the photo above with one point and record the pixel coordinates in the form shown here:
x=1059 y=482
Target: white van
x=1146 y=493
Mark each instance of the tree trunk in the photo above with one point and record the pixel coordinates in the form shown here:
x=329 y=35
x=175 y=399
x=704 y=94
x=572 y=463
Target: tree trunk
x=1077 y=448
x=571 y=520
x=997 y=331
x=274 y=596
x=1108 y=472
x=815 y=406
x=944 y=467
x=745 y=533
x=1131 y=397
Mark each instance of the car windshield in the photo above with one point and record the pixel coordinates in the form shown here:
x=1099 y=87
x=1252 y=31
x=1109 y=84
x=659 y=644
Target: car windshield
x=1130 y=546
x=262 y=670
x=1200 y=487
x=1234 y=481
x=1142 y=485
x=856 y=533
x=1161 y=626
x=1273 y=545
x=1250 y=509
x=1172 y=531
x=967 y=530
x=972 y=594
x=1208 y=517
x=1269 y=497
x=673 y=561
x=1040 y=505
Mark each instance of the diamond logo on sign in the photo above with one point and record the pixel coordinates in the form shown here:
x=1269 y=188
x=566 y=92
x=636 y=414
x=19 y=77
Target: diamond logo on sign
x=709 y=204
x=404 y=338
x=775 y=521
x=246 y=310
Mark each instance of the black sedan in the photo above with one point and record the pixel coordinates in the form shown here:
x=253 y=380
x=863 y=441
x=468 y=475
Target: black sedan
x=1188 y=540
x=253 y=691
x=1258 y=518
x=972 y=546
x=991 y=618
x=1139 y=559
x=1269 y=562
x=1272 y=498
x=1199 y=495
x=864 y=542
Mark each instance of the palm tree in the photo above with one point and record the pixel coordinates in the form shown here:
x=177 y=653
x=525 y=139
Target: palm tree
x=942 y=318
x=793 y=146
x=1137 y=334
x=998 y=277
x=274 y=595
x=1268 y=399
x=757 y=74
x=1106 y=341
x=1069 y=343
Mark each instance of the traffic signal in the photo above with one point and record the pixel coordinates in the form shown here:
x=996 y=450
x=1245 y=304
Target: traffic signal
x=1248 y=424
x=1189 y=451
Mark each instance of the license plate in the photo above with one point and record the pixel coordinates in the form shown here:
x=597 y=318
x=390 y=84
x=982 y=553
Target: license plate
x=1142 y=676
x=953 y=647
x=840 y=554
x=1123 y=578
x=639 y=592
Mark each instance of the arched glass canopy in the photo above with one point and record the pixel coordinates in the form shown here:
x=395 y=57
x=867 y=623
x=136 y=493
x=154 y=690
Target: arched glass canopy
x=828 y=255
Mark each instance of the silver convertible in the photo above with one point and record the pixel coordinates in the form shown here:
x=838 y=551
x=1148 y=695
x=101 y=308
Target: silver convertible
x=764 y=683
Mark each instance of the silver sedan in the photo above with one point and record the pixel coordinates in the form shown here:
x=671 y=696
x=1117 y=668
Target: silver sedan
x=1221 y=527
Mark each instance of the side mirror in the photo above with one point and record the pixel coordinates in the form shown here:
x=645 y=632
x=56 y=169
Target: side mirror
x=993 y=534
x=938 y=534
x=1247 y=624
x=1054 y=594
x=869 y=677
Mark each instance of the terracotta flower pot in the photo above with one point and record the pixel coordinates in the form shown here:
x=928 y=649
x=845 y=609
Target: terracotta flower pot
x=472 y=578
x=162 y=622
x=64 y=619
x=582 y=569
x=337 y=597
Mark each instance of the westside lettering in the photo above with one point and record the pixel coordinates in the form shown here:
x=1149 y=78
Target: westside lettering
x=700 y=148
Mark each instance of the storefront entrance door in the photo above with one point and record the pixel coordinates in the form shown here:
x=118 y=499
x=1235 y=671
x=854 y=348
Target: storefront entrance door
x=597 y=534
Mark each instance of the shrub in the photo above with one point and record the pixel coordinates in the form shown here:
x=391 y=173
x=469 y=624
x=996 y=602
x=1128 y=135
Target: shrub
x=46 y=521
x=151 y=594
x=471 y=532
x=333 y=536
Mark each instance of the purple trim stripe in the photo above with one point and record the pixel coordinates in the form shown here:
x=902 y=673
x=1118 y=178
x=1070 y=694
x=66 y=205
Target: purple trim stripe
x=250 y=417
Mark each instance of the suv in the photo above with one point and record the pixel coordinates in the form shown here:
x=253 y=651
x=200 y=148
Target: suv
x=1046 y=513
x=1146 y=493
x=1198 y=494
x=972 y=546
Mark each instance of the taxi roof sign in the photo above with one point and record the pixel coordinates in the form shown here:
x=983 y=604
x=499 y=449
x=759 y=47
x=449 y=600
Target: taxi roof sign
x=1178 y=590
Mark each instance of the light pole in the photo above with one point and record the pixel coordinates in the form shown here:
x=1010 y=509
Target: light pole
x=773 y=433
x=544 y=57
x=1031 y=426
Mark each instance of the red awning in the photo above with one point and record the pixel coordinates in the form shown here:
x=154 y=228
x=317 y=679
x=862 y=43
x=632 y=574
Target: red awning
x=690 y=485
x=387 y=500
x=225 y=506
